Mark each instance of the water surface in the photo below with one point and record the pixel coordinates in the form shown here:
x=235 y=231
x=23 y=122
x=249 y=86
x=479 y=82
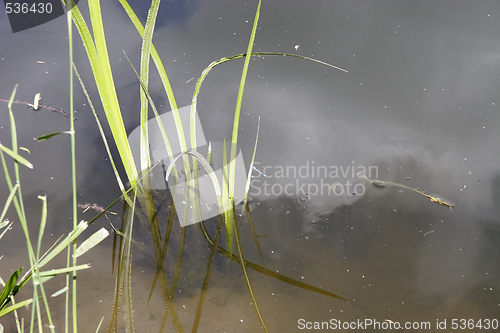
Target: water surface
x=419 y=105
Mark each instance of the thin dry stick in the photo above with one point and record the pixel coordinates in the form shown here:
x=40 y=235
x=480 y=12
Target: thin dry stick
x=431 y=197
x=38 y=106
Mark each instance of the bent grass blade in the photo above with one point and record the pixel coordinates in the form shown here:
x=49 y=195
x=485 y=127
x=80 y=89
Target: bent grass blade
x=266 y=271
x=17 y=157
x=92 y=241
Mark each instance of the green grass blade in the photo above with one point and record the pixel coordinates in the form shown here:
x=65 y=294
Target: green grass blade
x=147 y=37
x=43 y=223
x=45 y=303
x=18 y=200
x=126 y=269
x=59 y=292
x=250 y=168
x=16 y=156
x=226 y=201
x=13 y=134
x=104 y=140
x=3 y=224
x=8 y=202
x=107 y=91
x=54 y=272
x=48 y=136
x=237 y=111
x=168 y=90
x=215 y=63
x=65 y=242
x=161 y=259
x=163 y=133
x=245 y=274
x=92 y=241
x=208 y=169
x=99 y=61
x=99 y=326
x=8 y=288
x=204 y=287
x=252 y=229
x=247 y=190
x=266 y=271
x=16 y=306
x=159 y=66
x=232 y=167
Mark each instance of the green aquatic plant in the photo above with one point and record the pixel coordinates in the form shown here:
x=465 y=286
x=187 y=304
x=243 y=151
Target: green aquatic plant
x=38 y=260
x=140 y=200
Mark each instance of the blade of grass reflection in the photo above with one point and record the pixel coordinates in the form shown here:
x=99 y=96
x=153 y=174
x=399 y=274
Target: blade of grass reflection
x=266 y=271
x=207 y=276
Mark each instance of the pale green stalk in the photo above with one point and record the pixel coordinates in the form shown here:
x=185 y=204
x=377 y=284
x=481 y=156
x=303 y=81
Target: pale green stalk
x=163 y=76
x=247 y=190
x=227 y=201
x=18 y=200
x=43 y=223
x=72 y=249
x=250 y=167
x=36 y=261
x=145 y=56
x=98 y=57
x=237 y=111
x=103 y=136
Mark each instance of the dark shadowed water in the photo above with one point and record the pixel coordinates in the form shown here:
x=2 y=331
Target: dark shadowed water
x=418 y=107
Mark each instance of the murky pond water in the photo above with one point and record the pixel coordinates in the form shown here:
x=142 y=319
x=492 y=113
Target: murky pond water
x=417 y=107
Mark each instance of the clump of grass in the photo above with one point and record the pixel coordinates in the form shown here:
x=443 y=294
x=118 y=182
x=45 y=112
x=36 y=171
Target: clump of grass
x=37 y=259
x=95 y=45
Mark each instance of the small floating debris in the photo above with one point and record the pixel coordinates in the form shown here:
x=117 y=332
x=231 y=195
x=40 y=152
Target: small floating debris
x=95 y=207
x=428 y=232
x=431 y=197
x=36 y=101
x=36 y=106
x=435 y=198
x=378 y=183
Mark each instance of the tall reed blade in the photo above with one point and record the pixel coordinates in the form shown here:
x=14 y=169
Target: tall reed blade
x=99 y=60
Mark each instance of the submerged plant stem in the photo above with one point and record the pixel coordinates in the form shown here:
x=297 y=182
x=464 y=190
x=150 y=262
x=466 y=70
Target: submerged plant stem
x=266 y=271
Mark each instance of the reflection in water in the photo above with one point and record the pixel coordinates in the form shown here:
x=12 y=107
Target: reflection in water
x=174 y=11
x=415 y=254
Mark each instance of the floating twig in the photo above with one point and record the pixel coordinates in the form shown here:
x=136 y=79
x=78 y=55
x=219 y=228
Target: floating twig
x=95 y=207
x=431 y=197
x=36 y=106
x=428 y=232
